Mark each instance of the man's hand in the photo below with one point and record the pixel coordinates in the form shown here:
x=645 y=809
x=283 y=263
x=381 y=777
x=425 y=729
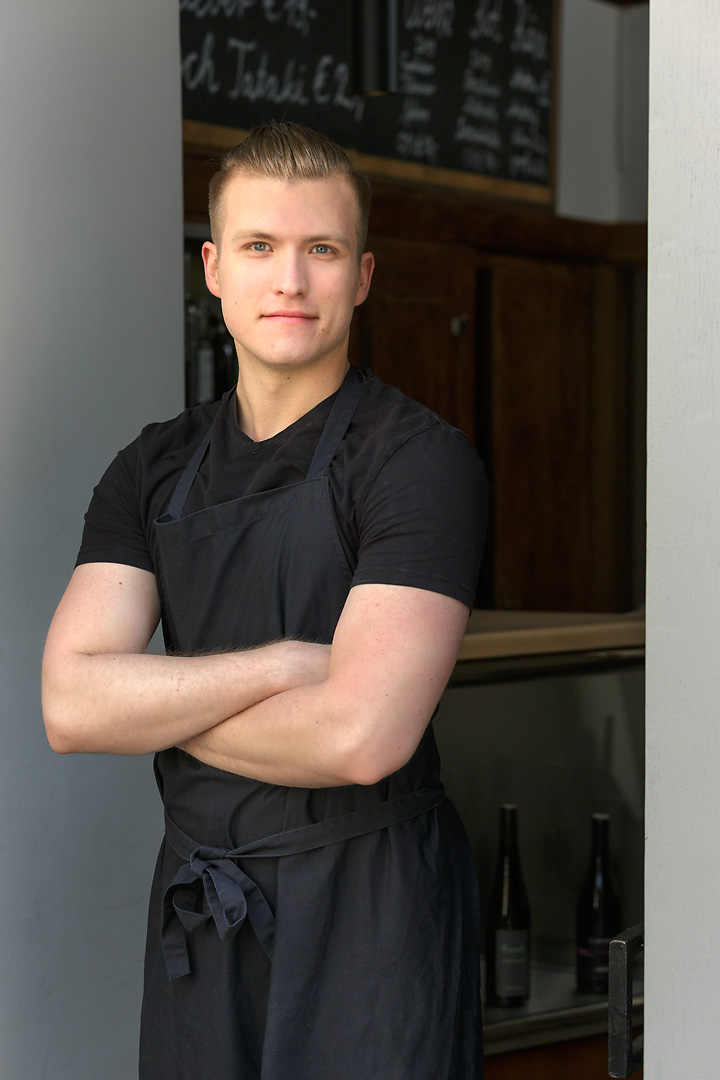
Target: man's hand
x=103 y=694
x=302 y=663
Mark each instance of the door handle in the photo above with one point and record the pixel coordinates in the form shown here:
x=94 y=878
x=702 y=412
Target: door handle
x=625 y=1054
x=458 y=325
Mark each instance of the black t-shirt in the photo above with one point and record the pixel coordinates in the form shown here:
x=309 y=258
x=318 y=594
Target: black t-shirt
x=410 y=493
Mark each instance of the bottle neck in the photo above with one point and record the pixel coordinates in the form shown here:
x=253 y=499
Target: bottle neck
x=600 y=836
x=508 y=829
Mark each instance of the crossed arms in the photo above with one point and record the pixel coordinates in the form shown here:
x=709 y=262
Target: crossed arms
x=288 y=713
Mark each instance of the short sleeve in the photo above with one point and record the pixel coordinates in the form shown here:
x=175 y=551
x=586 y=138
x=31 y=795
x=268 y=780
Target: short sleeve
x=114 y=529
x=424 y=518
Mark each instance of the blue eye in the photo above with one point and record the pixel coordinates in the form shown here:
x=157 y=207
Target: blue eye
x=259 y=245
x=322 y=249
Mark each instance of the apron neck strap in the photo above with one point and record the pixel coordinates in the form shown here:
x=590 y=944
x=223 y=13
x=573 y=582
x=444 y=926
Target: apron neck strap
x=337 y=423
x=333 y=434
x=185 y=482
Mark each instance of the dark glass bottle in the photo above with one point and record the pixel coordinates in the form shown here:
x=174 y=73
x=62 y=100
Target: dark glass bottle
x=598 y=913
x=507 y=953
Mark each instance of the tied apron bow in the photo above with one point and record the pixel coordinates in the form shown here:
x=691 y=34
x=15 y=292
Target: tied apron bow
x=211 y=885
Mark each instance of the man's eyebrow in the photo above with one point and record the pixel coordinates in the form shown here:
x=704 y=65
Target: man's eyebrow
x=248 y=234
x=335 y=238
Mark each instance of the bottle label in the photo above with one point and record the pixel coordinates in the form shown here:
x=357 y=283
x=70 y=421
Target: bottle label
x=512 y=963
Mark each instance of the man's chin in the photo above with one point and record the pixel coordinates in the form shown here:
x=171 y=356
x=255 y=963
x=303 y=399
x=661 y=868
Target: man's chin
x=291 y=363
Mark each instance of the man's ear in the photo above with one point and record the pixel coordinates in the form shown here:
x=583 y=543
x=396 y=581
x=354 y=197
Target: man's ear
x=210 y=260
x=367 y=265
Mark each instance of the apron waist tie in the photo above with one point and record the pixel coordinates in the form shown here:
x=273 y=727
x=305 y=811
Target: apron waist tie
x=232 y=896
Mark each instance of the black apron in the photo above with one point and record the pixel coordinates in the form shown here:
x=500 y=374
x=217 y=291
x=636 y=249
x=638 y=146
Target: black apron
x=298 y=934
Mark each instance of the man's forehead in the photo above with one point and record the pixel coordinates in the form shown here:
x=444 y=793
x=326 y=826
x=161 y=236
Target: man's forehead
x=252 y=203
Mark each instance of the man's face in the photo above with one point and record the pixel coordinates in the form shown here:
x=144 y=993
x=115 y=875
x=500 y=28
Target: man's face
x=287 y=270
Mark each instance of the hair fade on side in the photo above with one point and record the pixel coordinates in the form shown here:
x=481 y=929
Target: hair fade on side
x=288 y=152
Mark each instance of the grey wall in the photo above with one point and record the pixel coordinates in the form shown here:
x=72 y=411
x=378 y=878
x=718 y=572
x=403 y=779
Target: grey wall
x=682 y=1035
x=90 y=349
x=602 y=111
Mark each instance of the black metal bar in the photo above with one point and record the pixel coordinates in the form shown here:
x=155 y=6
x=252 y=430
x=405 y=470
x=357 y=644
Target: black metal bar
x=373 y=38
x=625 y=1055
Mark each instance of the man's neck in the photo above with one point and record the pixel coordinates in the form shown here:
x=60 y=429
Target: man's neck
x=269 y=401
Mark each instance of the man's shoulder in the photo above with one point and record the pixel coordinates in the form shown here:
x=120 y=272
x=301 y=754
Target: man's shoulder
x=160 y=452
x=402 y=443
x=391 y=418
x=178 y=434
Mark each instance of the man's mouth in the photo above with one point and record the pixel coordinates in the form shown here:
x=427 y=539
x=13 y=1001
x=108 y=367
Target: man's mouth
x=289 y=316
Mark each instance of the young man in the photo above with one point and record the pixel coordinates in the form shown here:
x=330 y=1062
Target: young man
x=311 y=543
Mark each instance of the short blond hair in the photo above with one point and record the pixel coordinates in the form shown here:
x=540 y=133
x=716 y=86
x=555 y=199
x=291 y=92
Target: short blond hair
x=288 y=152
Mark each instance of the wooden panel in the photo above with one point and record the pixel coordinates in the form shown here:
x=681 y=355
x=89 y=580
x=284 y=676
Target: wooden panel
x=539 y=373
x=611 y=441
x=554 y=389
x=406 y=330
x=537 y=633
x=581 y=1059
x=425 y=214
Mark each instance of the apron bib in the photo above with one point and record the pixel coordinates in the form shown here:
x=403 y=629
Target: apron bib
x=317 y=934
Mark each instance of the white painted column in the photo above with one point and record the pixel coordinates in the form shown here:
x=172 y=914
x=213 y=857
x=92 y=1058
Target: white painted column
x=90 y=349
x=682 y=1034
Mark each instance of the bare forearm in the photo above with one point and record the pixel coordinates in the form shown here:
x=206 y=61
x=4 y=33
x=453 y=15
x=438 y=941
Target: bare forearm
x=316 y=736
x=126 y=703
x=288 y=739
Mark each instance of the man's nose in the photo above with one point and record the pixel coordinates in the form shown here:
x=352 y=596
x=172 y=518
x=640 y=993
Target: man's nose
x=290 y=274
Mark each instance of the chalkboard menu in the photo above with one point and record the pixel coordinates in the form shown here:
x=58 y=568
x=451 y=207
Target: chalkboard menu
x=475 y=80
